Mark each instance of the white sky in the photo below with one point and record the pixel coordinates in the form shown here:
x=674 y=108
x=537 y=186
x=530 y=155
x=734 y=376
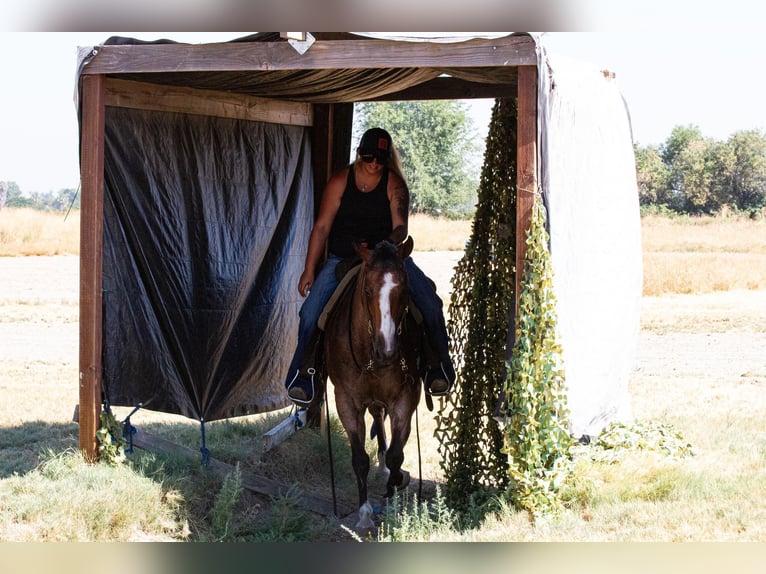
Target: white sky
x=708 y=78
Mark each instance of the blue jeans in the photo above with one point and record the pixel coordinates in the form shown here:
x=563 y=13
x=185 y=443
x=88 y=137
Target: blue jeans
x=423 y=295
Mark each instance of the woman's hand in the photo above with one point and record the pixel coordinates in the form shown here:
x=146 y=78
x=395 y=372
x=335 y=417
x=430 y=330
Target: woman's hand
x=305 y=283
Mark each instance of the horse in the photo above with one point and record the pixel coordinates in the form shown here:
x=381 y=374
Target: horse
x=371 y=348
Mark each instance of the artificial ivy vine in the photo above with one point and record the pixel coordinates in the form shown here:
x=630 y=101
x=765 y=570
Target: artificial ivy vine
x=482 y=302
x=537 y=440
x=111 y=444
x=524 y=456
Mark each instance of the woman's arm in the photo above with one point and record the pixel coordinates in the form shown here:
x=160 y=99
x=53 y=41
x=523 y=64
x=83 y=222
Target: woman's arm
x=328 y=209
x=399 y=199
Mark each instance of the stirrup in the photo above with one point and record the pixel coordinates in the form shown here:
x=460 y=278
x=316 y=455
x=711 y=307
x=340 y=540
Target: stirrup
x=300 y=390
x=437 y=378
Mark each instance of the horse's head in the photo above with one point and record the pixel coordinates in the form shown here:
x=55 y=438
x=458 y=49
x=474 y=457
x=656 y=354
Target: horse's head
x=383 y=282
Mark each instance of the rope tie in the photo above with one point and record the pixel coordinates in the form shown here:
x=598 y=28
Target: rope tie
x=128 y=430
x=203 y=449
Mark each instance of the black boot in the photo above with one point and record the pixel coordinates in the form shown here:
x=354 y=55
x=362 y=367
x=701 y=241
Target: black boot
x=308 y=383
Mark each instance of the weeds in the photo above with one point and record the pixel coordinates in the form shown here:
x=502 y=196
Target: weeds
x=408 y=519
x=225 y=503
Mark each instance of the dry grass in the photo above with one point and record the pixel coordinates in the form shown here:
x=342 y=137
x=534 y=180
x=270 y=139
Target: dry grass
x=681 y=255
x=26 y=231
x=439 y=234
x=701 y=255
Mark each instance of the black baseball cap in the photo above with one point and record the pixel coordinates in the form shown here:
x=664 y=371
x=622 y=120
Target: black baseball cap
x=375 y=141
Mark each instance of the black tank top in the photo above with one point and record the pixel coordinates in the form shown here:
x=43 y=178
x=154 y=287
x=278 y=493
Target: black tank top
x=362 y=216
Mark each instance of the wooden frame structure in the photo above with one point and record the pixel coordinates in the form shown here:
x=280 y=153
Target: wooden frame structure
x=502 y=67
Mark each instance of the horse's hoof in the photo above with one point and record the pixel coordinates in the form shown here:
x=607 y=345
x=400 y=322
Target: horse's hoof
x=382 y=469
x=365 y=526
x=403 y=483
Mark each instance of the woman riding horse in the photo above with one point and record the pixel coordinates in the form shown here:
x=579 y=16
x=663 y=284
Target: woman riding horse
x=372 y=344
x=366 y=202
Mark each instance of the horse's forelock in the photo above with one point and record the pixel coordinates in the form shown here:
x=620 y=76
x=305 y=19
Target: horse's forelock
x=385 y=254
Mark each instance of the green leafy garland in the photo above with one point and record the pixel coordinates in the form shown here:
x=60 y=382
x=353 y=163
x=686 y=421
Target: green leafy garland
x=537 y=440
x=481 y=305
x=527 y=459
x=111 y=444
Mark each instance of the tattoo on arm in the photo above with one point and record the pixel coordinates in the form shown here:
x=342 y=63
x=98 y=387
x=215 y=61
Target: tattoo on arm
x=400 y=197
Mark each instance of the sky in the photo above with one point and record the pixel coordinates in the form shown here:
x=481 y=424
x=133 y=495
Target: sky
x=708 y=78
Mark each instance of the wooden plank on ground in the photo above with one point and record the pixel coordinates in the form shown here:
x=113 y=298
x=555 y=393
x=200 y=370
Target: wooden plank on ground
x=278 y=434
x=251 y=481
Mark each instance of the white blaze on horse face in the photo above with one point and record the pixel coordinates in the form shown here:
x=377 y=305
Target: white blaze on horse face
x=387 y=325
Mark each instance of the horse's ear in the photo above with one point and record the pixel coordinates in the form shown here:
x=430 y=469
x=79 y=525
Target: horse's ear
x=405 y=248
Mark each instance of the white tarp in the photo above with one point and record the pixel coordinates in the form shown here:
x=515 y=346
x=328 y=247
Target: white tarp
x=588 y=179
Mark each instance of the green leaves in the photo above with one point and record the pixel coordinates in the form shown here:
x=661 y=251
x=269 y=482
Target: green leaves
x=536 y=439
x=111 y=445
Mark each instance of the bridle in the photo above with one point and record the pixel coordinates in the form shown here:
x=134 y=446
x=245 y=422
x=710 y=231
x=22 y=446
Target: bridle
x=370 y=365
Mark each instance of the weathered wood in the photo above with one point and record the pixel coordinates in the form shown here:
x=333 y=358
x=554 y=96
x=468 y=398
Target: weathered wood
x=251 y=481
x=449 y=88
x=328 y=54
x=91 y=261
x=526 y=174
x=158 y=97
x=278 y=434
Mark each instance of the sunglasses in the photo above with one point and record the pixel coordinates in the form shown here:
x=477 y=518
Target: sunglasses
x=369 y=157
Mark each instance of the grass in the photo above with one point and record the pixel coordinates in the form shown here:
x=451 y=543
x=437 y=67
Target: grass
x=681 y=254
x=25 y=231
x=48 y=493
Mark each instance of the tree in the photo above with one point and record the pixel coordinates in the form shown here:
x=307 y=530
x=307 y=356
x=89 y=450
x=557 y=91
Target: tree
x=16 y=198
x=436 y=142
x=653 y=178
x=745 y=176
x=60 y=201
x=689 y=157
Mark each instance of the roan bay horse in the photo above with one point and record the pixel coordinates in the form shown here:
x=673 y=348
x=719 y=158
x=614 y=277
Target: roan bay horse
x=371 y=348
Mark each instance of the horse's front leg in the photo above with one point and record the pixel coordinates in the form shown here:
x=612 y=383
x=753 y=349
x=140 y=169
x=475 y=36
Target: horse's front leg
x=353 y=422
x=401 y=421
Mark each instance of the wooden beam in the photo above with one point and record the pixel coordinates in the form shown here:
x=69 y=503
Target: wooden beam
x=91 y=261
x=163 y=98
x=327 y=54
x=448 y=88
x=526 y=174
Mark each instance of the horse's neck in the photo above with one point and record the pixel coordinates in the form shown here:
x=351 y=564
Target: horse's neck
x=359 y=318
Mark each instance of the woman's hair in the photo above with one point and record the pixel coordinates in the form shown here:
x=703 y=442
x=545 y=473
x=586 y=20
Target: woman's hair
x=394 y=162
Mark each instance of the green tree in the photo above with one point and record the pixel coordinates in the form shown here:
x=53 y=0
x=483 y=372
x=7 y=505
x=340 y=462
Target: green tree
x=690 y=160
x=743 y=175
x=58 y=201
x=16 y=198
x=437 y=144
x=653 y=178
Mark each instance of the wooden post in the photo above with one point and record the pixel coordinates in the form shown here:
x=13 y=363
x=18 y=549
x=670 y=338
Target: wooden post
x=91 y=261
x=526 y=173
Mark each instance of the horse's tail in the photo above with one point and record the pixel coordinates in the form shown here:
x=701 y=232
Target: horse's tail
x=374 y=425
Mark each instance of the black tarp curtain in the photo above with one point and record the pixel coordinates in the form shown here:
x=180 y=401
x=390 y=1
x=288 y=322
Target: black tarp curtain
x=206 y=222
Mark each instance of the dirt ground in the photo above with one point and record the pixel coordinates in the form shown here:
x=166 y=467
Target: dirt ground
x=711 y=339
